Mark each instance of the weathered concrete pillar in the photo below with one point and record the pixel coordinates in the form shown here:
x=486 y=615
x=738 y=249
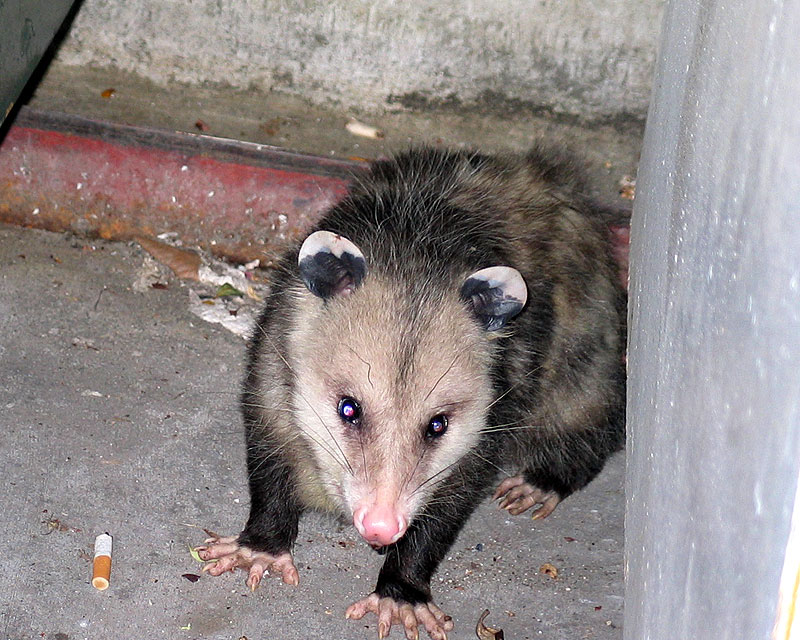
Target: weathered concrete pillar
x=714 y=361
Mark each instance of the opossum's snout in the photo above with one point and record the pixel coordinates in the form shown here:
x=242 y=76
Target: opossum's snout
x=379 y=524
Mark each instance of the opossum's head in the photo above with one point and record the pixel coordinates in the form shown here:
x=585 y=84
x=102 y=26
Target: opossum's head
x=393 y=378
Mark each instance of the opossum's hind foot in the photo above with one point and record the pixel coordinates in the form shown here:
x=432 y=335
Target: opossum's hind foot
x=390 y=612
x=516 y=496
x=230 y=555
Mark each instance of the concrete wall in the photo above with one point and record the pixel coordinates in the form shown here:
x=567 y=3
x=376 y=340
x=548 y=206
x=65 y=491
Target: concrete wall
x=714 y=358
x=591 y=59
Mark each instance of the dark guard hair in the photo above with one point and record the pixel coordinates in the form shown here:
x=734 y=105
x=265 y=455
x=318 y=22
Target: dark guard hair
x=425 y=220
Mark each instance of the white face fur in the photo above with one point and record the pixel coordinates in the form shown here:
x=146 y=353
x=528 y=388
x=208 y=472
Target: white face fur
x=387 y=401
x=391 y=379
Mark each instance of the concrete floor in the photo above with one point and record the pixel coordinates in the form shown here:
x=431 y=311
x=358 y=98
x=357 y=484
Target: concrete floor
x=119 y=414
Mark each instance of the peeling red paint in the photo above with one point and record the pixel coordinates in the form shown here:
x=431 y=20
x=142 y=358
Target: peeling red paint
x=62 y=181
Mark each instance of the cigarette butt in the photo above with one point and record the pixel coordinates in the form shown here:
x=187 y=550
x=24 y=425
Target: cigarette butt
x=364 y=130
x=101 y=569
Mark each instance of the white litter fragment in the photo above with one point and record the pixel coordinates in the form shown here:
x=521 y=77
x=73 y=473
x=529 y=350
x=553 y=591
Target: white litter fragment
x=218 y=273
x=364 y=130
x=170 y=237
x=216 y=311
x=249 y=266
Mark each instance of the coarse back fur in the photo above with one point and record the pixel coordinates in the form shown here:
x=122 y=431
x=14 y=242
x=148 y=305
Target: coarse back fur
x=456 y=319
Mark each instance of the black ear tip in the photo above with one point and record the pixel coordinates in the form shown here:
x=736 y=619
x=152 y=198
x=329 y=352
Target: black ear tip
x=496 y=294
x=330 y=264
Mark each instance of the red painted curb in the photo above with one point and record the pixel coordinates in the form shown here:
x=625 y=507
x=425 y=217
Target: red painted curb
x=236 y=199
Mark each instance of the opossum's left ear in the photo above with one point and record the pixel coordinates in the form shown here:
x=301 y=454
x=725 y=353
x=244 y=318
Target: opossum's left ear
x=330 y=264
x=496 y=294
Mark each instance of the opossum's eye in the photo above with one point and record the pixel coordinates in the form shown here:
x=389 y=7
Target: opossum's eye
x=437 y=426
x=349 y=410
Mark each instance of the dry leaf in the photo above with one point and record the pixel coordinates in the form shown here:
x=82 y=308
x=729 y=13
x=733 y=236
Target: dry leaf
x=184 y=264
x=271 y=127
x=201 y=126
x=549 y=570
x=108 y=93
x=228 y=290
x=195 y=555
x=487 y=633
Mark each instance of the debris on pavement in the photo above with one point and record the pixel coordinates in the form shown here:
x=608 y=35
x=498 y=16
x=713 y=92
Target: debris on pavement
x=183 y=263
x=487 y=633
x=55 y=524
x=364 y=130
x=627 y=187
x=218 y=292
x=236 y=319
x=101 y=567
x=194 y=554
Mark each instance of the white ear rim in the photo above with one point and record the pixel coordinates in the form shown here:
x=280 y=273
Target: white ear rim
x=506 y=278
x=329 y=242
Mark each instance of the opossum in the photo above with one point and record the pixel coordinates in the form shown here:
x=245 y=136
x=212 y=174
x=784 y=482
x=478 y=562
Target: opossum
x=455 y=320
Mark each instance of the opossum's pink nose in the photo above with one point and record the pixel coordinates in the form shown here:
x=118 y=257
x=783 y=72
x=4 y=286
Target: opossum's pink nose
x=379 y=524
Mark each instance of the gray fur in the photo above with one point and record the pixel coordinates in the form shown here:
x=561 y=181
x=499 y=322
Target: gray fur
x=540 y=394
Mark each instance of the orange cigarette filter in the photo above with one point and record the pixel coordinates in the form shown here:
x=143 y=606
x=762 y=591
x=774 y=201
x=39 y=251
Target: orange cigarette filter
x=101 y=572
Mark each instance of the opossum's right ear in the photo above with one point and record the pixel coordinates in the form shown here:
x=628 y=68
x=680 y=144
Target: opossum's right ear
x=496 y=294
x=330 y=264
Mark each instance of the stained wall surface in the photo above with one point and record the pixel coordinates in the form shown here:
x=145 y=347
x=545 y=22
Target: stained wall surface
x=592 y=60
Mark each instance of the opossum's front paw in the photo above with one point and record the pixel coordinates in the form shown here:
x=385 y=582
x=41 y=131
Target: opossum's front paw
x=390 y=611
x=518 y=496
x=228 y=555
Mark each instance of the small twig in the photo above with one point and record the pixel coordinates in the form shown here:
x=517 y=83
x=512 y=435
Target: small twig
x=99 y=295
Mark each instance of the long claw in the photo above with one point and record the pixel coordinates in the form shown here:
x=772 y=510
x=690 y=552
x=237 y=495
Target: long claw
x=411 y=617
x=226 y=554
x=517 y=496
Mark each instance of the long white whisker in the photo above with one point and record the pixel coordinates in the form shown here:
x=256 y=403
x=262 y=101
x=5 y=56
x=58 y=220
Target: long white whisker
x=435 y=475
x=347 y=464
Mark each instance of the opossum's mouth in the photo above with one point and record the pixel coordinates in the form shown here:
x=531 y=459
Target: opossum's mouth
x=381 y=549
